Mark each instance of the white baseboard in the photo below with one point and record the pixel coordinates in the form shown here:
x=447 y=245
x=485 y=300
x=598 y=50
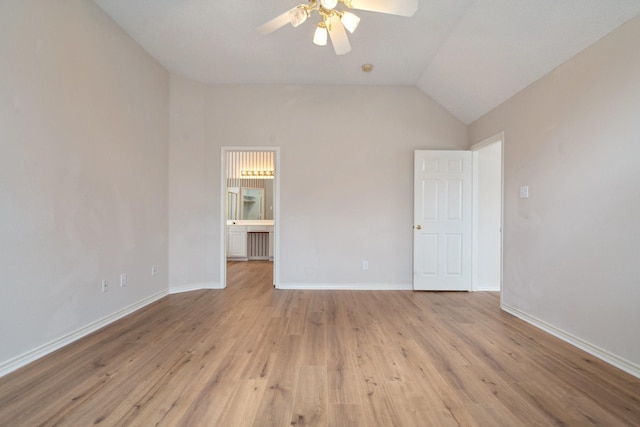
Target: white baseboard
x=487 y=288
x=194 y=287
x=594 y=350
x=41 y=351
x=346 y=286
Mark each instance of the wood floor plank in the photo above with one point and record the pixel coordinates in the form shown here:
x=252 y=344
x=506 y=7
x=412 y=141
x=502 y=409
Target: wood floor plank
x=277 y=402
x=296 y=311
x=440 y=397
x=262 y=354
x=342 y=379
x=378 y=406
x=491 y=388
x=310 y=405
x=314 y=347
x=243 y=403
x=170 y=398
x=346 y=415
x=254 y=355
x=211 y=388
x=416 y=409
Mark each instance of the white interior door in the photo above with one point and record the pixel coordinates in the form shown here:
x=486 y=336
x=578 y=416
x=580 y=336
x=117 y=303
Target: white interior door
x=442 y=220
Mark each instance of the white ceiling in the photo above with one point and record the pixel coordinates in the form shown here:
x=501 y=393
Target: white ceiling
x=469 y=55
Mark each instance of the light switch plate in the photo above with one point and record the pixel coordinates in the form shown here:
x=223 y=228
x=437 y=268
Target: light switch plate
x=524 y=192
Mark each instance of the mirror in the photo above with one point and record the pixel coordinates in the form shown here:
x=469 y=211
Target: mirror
x=233 y=193
x=252 y=203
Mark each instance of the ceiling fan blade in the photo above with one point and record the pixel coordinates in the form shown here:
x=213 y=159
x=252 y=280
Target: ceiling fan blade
x=338 y=36
x=392 y=7
x=276 y=23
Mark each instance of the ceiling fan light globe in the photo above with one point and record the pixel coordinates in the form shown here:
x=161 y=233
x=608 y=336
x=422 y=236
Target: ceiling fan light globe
x=350 y=21
x=298 y=16
x=328 y=4
x=320 y=36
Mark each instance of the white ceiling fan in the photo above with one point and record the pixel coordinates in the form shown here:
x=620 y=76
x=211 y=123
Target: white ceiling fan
x=334 y=21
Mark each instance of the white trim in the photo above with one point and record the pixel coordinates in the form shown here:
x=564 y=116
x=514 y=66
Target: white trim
x=487 y=288
x=499 y=137
x=592 y=349
x=347 y=286
x=223 y=216
x=194 y=287
x=474 y=220
x=491 y=140
x=41 y=351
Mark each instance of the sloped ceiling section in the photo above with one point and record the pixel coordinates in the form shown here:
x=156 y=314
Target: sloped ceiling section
x=467 y=55
x=500 y=47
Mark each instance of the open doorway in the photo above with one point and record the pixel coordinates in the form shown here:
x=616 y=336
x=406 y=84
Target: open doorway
x=487 y=216
x=249 y=200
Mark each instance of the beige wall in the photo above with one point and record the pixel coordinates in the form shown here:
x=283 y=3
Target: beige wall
x=84 y=138
x=346 y=176
x=571 y=249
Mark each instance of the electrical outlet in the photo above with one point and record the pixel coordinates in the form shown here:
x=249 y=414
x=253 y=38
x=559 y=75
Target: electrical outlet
x=154 y=270
x=123 y=279
x=365 y=265
x=105 y=286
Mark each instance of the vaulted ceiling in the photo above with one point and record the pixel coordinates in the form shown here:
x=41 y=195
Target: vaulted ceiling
x=467 y=55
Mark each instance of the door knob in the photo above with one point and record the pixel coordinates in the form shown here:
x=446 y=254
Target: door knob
x=418 y=227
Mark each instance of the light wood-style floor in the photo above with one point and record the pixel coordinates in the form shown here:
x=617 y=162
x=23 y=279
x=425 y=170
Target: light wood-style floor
x=254 y=356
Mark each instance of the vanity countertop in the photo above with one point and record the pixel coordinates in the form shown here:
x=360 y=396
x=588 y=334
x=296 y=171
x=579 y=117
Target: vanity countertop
x=249 y=222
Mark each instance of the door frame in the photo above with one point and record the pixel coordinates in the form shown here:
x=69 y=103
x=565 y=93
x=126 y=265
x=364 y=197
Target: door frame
x=499 y=137
x=223 y=212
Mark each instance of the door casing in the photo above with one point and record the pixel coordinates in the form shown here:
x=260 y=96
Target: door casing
x=223 y=213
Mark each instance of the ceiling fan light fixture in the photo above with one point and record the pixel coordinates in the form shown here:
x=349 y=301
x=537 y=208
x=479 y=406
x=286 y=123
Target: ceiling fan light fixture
x=320 y=36
x=298 y=15
x=336 y=21
x=350 y=21
x=328 y=4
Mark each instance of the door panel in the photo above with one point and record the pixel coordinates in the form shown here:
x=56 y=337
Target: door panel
x=442 y=220
x=454 y=199
x=429 y=258
x=454 y=254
